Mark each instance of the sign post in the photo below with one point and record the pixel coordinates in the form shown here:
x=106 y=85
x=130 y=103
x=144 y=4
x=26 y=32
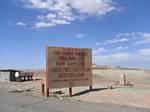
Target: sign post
x=90 y=88
x=42 y=89
x=68 y=67
x=47 y=87
x=70 y=91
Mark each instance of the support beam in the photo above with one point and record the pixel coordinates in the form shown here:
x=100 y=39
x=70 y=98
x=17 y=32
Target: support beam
x=70 y=91
x=90 y=88
x=42 y=89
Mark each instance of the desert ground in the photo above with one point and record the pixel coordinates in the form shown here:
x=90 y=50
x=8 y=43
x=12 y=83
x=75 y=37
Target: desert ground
x=15 y=102
x=137 y=95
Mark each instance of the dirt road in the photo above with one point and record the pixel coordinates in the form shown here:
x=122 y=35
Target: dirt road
x=13 y=102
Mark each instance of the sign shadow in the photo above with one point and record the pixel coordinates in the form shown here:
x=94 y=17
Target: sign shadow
x=87 y=91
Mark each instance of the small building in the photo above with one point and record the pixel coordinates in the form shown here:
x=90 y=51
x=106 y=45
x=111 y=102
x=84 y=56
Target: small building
x=8 y=75
x=15 y=75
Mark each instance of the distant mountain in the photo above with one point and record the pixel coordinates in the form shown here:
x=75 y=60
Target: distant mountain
x=95 y=66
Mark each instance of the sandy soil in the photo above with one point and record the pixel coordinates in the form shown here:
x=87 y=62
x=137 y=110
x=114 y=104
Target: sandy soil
x=137 y=96
x=15 y=102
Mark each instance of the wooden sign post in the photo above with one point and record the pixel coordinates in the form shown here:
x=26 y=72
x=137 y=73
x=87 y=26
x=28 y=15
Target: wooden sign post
x=90 y=88
x=70 y=91
x=68 y=67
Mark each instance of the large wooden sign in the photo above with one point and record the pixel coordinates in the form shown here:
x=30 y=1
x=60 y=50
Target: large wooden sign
x=68 y=67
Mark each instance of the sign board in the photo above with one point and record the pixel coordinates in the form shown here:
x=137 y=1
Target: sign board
x=68 y=67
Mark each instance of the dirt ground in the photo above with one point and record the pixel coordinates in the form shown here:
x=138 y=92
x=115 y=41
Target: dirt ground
x=138 y=95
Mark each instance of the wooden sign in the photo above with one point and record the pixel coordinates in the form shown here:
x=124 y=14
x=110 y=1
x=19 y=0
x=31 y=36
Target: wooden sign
x=68 y=67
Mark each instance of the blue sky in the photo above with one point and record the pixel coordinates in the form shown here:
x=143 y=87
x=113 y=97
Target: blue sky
x=118 y=31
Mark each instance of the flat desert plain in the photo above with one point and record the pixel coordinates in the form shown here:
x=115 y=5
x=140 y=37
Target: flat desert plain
x=103 y=78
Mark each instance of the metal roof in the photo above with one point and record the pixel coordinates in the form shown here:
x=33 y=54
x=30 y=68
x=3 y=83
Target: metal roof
x=9 y=70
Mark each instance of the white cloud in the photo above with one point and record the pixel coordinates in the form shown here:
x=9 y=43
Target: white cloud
x=117 y=40
x=146 y=35
x=144 y=52
x=100 y=50
x=52 y=23
x=66 y=11
x=20 y=24
x=144 y=38
x=123 y=35
x=80 y=35
x=113 y=59
x=37 y=4
x=100 y=7
x=59 y=21
x=122 y=48
x=136 y=37
x=133 y=37
x=43 y=25
x=98 y=43
x=139 y=58
x=113 y=41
